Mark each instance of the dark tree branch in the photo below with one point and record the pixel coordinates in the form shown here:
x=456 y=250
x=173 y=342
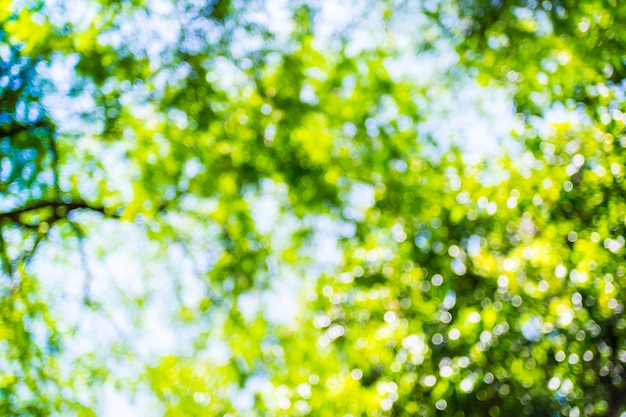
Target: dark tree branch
x=14 y=215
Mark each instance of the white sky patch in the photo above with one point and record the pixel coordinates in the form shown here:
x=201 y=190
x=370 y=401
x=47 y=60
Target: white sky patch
x=249 y=304
x=226 y=75
x=325 y=250
x=217 y=352
x=478 y=119
x=557 y=114
x=334 y=17
x=277 y=17
x=80 y=13
x=423 y=69
x=115 y=403
x=158 y=336
x=266 y=212
x=360 y=197
x=281 y=301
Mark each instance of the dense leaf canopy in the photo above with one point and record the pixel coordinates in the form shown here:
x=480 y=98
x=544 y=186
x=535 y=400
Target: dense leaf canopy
x=304 y=208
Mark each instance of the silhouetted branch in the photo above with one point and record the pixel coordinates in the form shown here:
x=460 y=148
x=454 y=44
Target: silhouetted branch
x=14 y=215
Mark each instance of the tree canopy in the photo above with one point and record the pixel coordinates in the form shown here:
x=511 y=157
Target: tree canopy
x=281 y=208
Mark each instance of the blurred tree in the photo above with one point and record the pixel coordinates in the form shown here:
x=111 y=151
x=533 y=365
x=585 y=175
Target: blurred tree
x=261 y=155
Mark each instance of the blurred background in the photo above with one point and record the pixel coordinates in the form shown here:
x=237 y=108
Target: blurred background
x=285 y=208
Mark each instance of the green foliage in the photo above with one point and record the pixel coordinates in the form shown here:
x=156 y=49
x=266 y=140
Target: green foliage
x=175 y=176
